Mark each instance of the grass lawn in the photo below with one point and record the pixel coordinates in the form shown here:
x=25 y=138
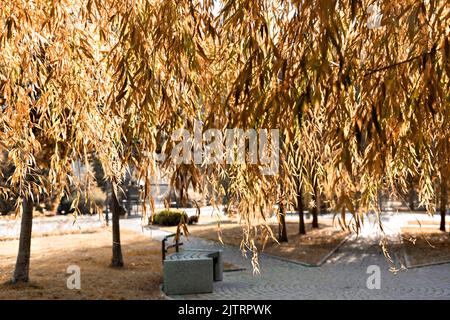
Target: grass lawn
x=426 y=245
x=50 y=256
x=310 y=248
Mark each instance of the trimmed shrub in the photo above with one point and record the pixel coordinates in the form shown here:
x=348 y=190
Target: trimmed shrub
x=170 y=217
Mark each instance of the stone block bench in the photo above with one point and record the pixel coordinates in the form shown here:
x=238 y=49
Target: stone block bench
x=192 y=271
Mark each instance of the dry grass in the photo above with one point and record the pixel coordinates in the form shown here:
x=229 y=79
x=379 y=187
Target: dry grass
x=139 y=279
x=310 y=248
x=427 y=223
x=61 y=225
x=56 y=233
x=426 y=245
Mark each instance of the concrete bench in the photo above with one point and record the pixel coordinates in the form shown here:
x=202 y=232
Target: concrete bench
x=192 y=271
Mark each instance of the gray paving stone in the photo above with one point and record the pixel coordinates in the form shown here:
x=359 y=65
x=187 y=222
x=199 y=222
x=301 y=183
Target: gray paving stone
x=343 y=276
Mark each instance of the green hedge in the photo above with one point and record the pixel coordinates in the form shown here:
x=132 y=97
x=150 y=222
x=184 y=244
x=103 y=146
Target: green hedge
x=170 y=217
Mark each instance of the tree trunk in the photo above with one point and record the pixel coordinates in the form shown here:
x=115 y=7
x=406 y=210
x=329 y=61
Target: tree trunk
x=443 y=203
x=315 y=209
x=117 y=260
x=282 y=233
x=411 y=193
x=181 y=204
x=22 y=268
x=300 y=208
x=411 y=199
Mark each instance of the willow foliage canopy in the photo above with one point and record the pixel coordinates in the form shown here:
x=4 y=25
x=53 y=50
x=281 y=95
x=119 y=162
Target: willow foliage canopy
x=358 y=89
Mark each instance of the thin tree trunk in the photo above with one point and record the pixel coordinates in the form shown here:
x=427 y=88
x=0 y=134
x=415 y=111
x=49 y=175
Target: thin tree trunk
x=117 y=260
x=443 y=203
x=181 y=204
x=315 y=209
x=411 y=200
x=300 y=208
x=21 y=272
x=282 y=233
x=411 y=193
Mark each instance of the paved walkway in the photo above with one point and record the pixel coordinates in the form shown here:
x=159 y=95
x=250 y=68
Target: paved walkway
x=343 y=276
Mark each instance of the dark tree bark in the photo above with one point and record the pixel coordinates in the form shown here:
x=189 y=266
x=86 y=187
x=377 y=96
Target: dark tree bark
x=282 y=233
x=180 y=202
x=300 y=205
x=315 y=209
x=21 y=272
x=443 y=203
x=117 y=260
x=411 y=200
x=300 y=209
x=411 y=193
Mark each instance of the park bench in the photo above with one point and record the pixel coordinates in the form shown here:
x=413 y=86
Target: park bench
x=190 y=271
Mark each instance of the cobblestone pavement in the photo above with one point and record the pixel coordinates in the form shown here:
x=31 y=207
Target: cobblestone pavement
x=343 y=276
